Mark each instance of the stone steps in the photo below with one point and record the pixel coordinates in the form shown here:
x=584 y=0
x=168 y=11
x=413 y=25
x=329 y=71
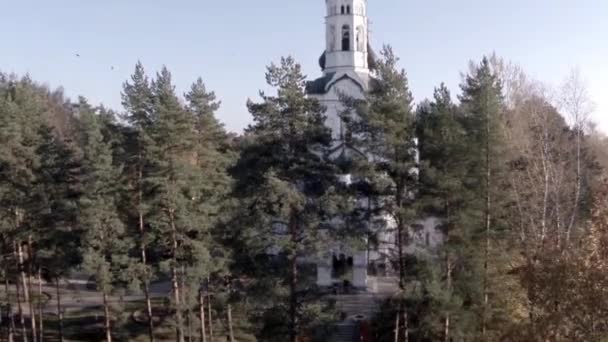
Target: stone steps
x=356 y=307
x=366 y=305
x=361 y=307
x=345 y=332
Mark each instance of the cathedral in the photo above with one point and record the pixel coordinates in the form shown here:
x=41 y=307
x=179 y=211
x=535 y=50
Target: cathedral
x=348 y=65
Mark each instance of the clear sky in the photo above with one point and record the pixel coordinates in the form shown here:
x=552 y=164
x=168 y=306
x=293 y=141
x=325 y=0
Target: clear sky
x=229 y=42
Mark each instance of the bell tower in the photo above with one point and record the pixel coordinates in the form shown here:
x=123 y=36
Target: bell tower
x=348 y=65
x=346 y=36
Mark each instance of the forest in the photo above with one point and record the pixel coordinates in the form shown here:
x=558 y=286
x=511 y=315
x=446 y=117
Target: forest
x=158 y=194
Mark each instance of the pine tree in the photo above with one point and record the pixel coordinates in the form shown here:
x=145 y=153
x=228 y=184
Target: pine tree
x=174 y=177
x=282 y=180
x=56 y=194
x=213 y=157
x=23 y=113
x=444 y=154
x=382 y=125
x=482 y=105
x=137 y=100
x=105 y=245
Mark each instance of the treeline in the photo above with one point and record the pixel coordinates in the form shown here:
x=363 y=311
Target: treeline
x=160 y=192
x=126 y=198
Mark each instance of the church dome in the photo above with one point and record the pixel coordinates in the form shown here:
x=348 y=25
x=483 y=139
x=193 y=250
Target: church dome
x=322 y=60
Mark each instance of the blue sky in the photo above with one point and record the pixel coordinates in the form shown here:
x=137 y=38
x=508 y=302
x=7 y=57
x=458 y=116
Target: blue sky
x=229 y=42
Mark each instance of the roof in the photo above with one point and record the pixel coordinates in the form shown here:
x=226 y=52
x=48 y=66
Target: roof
x=318 y=86
x=322 y=84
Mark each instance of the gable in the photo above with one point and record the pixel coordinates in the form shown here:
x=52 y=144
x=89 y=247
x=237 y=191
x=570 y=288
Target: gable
x=347 y=85
x=332 y=83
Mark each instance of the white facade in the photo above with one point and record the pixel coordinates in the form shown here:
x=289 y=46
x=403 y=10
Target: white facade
x=345 y=62
x=348 y=67
x=346 y=30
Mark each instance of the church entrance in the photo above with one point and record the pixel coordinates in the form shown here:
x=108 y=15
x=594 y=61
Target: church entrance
x=343 y=271
x=342 y=267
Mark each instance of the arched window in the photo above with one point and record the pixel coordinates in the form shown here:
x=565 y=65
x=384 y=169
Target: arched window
x=345 y=38
x=360 y=38
x=348 y=9
x=342 y=9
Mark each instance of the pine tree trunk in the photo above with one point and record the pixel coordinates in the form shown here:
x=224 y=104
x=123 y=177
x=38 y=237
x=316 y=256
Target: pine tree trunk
x=26 y=296
x=146 y=280
x=149 y=311
x=448 y=274
x=40 y=308
x=400 y=233
x=107 y=318
x=209 y=309
x=21 y=315
x=397 y=325
x=447 y=328
x=293 y=279
x=31 y=291
x=401 y=260
x=230 y=327
x=201 y=298
x=34 y=327
x=19 y=294
x=406 y=326
x=59 y=310
x=175 y=281
x=487 y=222
x=176 y=298
x=11 y=317
x=185 y=294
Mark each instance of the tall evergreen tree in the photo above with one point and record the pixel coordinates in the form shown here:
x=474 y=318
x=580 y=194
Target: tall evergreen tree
x=23 y=114
x=383 y=127
x=482 y=106
x=56 y=195
x=445 y=191
x=213 y=157
x=282 y=179
x=138 y=102
x=105 y=244
x=174 y=177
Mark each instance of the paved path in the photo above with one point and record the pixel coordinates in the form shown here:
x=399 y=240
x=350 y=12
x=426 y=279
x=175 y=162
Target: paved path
x=76 y=296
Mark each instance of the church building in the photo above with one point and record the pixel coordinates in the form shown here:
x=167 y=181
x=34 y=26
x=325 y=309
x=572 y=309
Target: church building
x=348 y=64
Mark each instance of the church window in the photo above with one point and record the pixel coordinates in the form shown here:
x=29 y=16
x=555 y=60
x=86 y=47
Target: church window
x=342 y=9
x=348 y=9
x=345 y=38
x=360 y=38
